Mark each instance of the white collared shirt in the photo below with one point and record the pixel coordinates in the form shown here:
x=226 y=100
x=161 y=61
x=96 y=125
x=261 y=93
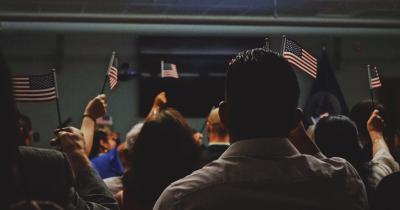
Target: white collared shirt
x=267 y=173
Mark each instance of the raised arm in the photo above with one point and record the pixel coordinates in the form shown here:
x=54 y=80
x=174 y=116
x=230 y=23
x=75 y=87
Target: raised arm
x=90 y=191
x=375 y=126
x=159 y=101
x=96 y=108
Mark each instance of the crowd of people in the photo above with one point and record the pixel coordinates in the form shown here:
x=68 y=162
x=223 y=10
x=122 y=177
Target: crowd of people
x=259 y=154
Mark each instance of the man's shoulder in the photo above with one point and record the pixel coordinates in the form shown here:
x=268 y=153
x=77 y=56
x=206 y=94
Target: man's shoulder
x=201 y=179
x=33 y=154
x=332 y=166
x=251 y=173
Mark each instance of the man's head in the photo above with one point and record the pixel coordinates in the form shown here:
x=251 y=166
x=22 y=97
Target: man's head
x=215 y=129
x=261 y=96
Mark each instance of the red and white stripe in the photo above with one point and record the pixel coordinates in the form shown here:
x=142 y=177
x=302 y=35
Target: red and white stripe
x=375 y=83
x=173 y=72
x=307 y=62
x=113 y=77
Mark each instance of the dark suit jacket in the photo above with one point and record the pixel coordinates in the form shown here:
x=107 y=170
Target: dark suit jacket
x=47 y=175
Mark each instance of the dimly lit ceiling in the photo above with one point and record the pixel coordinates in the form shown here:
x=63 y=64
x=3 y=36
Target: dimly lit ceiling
x=236 y=17
x=379 y=9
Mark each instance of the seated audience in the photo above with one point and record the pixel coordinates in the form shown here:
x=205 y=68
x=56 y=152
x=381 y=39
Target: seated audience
x=64 y=178
x=375 y=149
x=163 y=153
x=218 y=138
x=114 y=183
x=337 y=136
x=262 y=169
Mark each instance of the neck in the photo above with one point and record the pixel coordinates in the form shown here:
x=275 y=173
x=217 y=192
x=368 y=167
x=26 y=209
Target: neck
x=213 y=138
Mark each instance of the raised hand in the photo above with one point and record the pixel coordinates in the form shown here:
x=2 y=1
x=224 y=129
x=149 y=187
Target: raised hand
x=97 y=107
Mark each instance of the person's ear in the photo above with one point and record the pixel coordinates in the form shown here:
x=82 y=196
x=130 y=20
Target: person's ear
x=223 y=114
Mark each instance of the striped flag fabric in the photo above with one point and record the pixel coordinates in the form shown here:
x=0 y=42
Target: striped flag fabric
x=169 y=70
x=374 y=81
x=299 y=57
x=34 y=88
x=113 y=74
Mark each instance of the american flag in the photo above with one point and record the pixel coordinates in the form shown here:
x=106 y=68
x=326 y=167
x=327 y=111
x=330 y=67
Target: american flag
x=34 y=88
x=113 y=74
x=169 y=70
x=374 y=81
x=299 y=57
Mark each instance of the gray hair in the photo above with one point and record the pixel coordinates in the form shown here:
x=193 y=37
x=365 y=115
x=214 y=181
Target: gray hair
x=132 y=135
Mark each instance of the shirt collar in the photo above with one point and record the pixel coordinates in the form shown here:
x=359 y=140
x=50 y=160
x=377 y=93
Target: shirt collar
x=219 y=143
x=261 y=147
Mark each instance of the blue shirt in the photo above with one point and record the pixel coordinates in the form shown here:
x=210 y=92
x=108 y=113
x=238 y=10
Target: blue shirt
x=109 y=164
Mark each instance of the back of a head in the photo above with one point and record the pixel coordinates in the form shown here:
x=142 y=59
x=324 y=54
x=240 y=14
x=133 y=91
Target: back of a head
x=215 y=125
x=387 y=192
x=132 y=135
x=163 y=153
x=361 y=112
x=336 y=136
x=262 y=93
x=98 y=136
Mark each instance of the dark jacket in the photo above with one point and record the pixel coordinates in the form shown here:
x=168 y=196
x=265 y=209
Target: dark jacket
x=47 y=175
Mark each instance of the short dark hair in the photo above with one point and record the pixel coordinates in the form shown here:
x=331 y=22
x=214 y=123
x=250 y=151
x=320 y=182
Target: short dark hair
x=336 y=136
x=262 y=93
x=361 y=112
x=387 y=192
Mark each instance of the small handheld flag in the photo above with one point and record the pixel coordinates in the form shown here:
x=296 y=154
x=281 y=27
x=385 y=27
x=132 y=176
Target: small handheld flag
x=37 y=88
x=112 y=74
x=374 y=81
x=169 y=70
x=34 y=88
x=299 y=57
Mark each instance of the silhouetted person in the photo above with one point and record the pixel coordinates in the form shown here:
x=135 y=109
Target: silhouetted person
x=262 y=169
x=163 y=152
x=218 y=138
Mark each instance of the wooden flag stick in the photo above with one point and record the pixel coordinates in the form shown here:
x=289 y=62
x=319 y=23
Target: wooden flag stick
x=108 y=69
x=57 y=96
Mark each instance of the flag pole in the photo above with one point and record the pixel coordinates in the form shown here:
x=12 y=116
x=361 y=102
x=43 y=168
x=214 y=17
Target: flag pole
x=162 y=67
x=267 y=43
x=108 y=69
x=370 y=85
x=57 y=96
x=283 y=44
